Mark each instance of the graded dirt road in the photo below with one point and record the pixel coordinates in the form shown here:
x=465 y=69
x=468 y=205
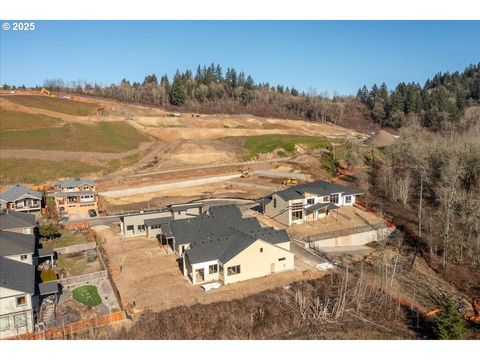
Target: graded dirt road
x=137 y=190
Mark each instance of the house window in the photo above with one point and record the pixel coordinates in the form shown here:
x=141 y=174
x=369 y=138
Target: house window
x=129 y=227
x=311 y=201
x=297 y=212
x=21 y=300
x=20 y=320
x=261 y=249
x=141 y=227
x=348 y=199
x=274 y=202
x=213 y=269
x=179 y=213
x=282 y=259
x=4 y=323
x=220 y=269
x=233 y=270
x=23 y=257
x=334 y=198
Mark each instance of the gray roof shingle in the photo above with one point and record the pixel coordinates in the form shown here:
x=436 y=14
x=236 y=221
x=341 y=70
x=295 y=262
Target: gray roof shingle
x=319 y=188
x=182 y=207
x=15 y=220
x=17 y=275
x=158 y=221
x=12 y=243
x=17 y=191
x=221 y=234
x=75 y=182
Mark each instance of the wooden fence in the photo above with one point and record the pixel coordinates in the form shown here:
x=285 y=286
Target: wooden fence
x=76 y=248
x=66 y=330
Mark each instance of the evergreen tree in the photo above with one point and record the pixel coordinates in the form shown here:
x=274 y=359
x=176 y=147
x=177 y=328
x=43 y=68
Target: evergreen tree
x=449 y=324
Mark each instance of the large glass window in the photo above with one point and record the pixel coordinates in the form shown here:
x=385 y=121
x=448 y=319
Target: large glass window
x=334 y=198
x=348 y=199
x=213 y=269
x=233 y=270
x=20 y=320
x=297 y=212
x=311 y=201
x=4 y=323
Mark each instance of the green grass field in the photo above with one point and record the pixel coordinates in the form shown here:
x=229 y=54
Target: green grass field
x=87 y=295
x=267 y=143
x=70 y=107
x=115 y=136
x=40 y=171
x=17 y=120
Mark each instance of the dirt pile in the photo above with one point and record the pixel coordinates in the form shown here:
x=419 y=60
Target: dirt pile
x=381 y=138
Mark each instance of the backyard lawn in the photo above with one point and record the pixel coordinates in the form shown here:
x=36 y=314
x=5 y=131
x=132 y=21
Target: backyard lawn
x=76 y=264
x=267 y=143
x=87 y=295
x=67 y=238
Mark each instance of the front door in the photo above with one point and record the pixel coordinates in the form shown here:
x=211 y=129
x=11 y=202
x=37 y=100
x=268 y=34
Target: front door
x=272 y=268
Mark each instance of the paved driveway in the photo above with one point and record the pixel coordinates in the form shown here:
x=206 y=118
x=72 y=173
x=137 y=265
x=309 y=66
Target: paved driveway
x=304 y=259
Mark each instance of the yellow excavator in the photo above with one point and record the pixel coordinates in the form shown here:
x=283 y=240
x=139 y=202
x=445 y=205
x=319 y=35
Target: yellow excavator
x=45 y=91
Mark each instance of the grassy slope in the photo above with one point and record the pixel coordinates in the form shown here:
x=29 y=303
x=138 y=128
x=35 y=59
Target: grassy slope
x=267 y=143
x=67 y=238
x=65 y=106
x=39 y=171
x=16 y=120
x=114 y=136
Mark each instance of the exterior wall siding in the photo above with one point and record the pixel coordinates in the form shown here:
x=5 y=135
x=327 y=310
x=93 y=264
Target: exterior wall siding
x=280 y=212
x=11 y=311
x=254 y=264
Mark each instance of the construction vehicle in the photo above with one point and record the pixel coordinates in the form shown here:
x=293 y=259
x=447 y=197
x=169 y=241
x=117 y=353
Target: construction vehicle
x=290 y=181
x=45 y=91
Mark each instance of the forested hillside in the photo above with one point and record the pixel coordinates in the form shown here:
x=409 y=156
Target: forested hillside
x=439 y=103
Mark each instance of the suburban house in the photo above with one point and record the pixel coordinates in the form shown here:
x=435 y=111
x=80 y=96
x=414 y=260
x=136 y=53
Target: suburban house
x=223 y=246
x=149 y=223
x=18 y=222
x=17 y=246
x=20 y=295
x=20 y=198
x=308 y=202
x=75 y=197
x=17 y=297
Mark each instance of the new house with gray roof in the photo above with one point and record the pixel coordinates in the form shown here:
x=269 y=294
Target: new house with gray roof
x=20 y=198
x=222 y=245
x=75 y=197
x=308 y=202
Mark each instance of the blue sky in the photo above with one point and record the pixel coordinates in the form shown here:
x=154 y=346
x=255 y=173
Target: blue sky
x=328 y=56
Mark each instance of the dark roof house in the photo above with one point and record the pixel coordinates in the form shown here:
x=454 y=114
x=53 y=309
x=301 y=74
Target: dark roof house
x=16 y=275
x=12 y=243
x=16 y=220
x=221 y=234
x=319 y=188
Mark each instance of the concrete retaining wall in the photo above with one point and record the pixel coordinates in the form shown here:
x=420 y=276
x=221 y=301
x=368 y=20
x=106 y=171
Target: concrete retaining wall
x=76 y=248
x=356 y=239
x=83 y=278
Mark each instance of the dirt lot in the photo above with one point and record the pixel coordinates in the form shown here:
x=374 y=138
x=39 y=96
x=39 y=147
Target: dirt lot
x=145 y=274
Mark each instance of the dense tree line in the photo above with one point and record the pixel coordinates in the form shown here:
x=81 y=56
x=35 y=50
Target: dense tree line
x=211 y=90
x=437 y=177
x=439 y=103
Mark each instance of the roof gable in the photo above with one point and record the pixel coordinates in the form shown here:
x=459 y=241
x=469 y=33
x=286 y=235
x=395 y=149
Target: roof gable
x=16 y=275
x=17 y=192
x=15 y=220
